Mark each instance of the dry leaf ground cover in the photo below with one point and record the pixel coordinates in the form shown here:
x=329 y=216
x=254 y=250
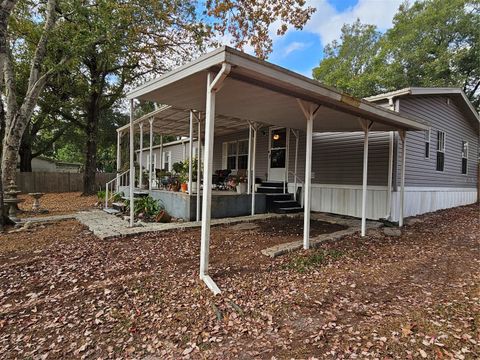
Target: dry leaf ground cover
x=58 y=203
x=414 y=296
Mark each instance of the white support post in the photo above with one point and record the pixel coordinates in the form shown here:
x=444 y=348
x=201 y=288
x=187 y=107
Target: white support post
x=366 y=128
x=150 y=162
x=161 y=153
x=390 y=176
x=213 y=85
x=254 y=160
x=249 y=164
x=297 y=134
x=308 y=184
x=310 y=113
x=140 y=162
x=190 y=155
x=403 y=137
x=199 y=165
x=132 y=158
x=119 y=159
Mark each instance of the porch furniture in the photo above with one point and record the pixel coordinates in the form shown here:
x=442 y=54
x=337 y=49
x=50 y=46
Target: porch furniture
x=220 y=179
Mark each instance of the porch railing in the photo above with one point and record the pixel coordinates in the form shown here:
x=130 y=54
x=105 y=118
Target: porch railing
x=113 y=186
x=297 y=180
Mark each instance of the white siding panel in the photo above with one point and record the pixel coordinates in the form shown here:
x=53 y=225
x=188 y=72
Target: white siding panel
x=424 y=200
x=347 y=200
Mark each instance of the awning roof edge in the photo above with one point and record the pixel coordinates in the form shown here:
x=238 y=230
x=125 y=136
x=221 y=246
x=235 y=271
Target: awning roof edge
x=281 y=80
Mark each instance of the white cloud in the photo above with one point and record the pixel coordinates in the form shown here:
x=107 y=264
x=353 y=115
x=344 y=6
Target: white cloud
x=327 y=22
x=294 y=46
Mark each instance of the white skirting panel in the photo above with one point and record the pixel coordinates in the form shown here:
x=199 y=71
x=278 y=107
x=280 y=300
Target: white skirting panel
x=420 y=200
x=347 y=200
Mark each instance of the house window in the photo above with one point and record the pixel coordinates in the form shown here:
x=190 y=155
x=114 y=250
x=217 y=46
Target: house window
x=167 y=160
x=464 y=156
x=242 y=162
x=235 y=154
x=427 y=144
x=440 y=151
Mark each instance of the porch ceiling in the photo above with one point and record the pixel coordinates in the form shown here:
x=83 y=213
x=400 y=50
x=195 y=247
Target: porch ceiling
x=170 y=120
x=259 y=91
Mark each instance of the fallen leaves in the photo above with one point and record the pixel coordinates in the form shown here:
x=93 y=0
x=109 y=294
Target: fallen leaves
x=415 y=296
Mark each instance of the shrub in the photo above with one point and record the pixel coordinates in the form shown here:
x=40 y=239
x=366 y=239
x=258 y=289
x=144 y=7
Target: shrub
x=101 y=195
x=146 y=207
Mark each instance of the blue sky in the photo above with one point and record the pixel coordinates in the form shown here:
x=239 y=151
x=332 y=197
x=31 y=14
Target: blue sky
x=300 y=51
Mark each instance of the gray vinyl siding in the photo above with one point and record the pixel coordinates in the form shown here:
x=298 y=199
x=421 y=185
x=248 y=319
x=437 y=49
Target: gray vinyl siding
x=261 y=169
x=445 y=117
x=177 y=152
x=338 y=158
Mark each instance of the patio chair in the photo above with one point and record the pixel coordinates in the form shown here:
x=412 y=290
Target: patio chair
x=220 y=178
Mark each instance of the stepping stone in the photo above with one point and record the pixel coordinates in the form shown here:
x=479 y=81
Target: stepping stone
x=244 y=226
x=390 y=231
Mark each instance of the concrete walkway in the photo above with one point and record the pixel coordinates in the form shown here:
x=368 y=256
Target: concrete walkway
x=106 y=226
x=44 y=219
x=353 y=226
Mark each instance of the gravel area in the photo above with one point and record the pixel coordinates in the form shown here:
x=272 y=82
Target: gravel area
x=66 y=294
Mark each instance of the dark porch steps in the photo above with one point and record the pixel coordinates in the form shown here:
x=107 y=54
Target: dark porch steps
x=276 y=200
x=271 y=187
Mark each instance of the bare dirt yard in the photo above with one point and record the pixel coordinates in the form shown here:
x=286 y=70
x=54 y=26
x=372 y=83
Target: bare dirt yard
x=66 y=294
x=58 y=203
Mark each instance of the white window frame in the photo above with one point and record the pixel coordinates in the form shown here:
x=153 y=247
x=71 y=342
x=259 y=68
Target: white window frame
x=441 y=141
x=428 y=135
x=165 y=155
x=225 y=152
x=464 y=156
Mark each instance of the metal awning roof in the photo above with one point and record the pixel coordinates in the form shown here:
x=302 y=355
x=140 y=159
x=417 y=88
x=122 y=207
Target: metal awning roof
x=256 y=90
x=169 y=120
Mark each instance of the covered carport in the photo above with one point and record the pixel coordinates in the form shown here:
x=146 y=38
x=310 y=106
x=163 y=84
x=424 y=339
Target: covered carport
x=231 y=84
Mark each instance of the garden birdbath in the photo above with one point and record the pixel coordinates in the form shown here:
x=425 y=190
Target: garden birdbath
x=36 y=200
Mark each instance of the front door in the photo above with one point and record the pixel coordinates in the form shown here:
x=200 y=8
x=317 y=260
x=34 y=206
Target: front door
x=278 y=151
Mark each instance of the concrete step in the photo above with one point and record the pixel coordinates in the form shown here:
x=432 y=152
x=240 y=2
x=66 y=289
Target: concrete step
x=269 y=190
x=273 y=184
x=139 y=193
x=111 y=211
x=120 y=206
x=271 y=198
x=289 y=210
x=285 y=203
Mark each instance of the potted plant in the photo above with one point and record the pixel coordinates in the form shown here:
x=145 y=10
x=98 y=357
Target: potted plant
x=181 y=173
x=238 y=183
x=194 y=174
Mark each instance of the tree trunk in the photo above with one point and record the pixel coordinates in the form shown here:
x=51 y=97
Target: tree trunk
x=5 y=9
x=91 y=145
x=11 y=147
x=25 y=157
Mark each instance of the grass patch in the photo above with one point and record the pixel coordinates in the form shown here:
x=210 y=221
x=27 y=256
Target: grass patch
x=318 y=258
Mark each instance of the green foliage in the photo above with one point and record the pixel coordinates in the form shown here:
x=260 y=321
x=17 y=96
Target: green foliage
x=101 y=195
x=180 y=170
x=315 y=259
x=350 y=63
x=432 y=43
x=147 y=206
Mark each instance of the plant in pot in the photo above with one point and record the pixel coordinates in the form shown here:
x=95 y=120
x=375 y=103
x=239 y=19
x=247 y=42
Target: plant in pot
x=238 y=183
x=181 y=173
x=194 y=174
